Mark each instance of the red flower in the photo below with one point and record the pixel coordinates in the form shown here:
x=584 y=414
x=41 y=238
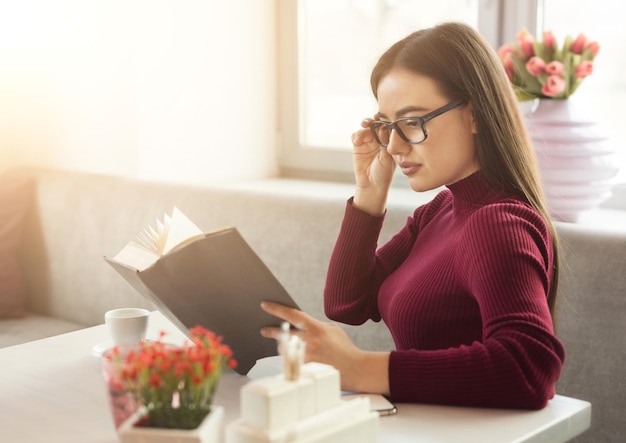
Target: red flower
x=158 y=373
x=155 y=380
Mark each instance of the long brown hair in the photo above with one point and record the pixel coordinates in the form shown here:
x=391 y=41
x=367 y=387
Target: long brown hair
x=467 y=69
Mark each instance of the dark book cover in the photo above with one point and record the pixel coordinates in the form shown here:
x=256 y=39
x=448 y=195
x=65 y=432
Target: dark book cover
x=216 y=281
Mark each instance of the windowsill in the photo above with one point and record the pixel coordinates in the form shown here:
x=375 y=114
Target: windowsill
x=605 y=219
x=400 y=198
x=617 y=199
x=406 y=200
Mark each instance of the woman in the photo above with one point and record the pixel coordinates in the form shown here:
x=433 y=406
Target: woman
x=467 y=286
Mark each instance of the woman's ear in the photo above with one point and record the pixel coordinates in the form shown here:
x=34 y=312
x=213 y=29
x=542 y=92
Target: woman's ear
x=473 y=119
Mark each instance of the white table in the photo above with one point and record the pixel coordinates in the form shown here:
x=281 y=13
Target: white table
x=51 y=390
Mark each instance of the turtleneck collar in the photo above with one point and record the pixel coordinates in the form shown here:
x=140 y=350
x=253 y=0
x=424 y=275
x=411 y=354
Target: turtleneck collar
x=474 y=191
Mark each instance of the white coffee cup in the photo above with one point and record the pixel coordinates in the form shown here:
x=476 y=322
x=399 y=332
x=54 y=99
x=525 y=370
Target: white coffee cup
x=127 y=326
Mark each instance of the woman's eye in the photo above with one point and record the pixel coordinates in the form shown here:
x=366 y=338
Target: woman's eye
x=412 y=123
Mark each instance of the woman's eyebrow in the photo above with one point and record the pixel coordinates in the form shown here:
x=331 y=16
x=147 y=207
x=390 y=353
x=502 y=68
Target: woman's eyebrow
x=403 y=111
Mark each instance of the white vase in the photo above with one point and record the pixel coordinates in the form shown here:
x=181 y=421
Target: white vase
x=209 y=431
x=576 y=156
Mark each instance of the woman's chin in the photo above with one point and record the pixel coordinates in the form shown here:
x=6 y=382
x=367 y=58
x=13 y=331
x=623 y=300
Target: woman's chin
x=418 y=184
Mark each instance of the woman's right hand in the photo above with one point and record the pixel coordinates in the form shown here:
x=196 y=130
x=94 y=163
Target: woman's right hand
x=373 y=170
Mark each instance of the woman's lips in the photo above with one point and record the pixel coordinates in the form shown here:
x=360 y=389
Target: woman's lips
x=409 y=168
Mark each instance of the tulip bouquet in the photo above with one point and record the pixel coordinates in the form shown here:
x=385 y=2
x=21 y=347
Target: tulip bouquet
x=542 y=69
x=175 y=385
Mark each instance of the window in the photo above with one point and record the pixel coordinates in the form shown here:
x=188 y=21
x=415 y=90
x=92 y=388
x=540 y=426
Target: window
x=338 y=44
x=327 y=49
x=605 y=90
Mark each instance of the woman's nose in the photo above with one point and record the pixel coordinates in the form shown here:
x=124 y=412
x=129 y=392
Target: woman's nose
x=396 y=144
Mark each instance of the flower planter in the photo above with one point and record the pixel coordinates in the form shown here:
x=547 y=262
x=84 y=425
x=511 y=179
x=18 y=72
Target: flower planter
x=209 y=431
x=577 y=159
x=173 y=385
x=122 y=402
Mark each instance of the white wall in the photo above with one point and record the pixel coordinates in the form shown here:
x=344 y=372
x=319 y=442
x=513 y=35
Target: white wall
x=180 y=91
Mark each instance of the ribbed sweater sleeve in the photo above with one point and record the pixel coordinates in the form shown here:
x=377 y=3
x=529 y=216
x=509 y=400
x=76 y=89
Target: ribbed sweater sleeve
x=462 y=288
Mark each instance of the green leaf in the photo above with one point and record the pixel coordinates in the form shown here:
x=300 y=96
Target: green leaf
x=567 y=44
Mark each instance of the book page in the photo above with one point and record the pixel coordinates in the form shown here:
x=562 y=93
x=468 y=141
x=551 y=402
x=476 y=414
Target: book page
x=180 y=229
x=152 y=243
x=169 y=233
x=136 y=256
x=154 y=239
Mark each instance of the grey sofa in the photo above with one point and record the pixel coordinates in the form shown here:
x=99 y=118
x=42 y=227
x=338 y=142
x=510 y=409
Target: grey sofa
x=591 y=321
x=78 y=218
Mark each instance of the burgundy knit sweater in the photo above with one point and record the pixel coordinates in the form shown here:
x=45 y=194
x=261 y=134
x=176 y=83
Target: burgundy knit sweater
x=463 y=289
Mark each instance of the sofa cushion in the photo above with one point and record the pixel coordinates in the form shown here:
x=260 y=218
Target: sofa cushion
x=14 y=331
x=590 y=319
x=15 y=199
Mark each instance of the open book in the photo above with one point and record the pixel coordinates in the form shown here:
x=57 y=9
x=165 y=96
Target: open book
x=213 y=279
x=174 y=231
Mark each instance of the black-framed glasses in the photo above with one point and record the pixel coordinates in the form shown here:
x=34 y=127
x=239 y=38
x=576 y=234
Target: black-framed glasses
x=410 y=129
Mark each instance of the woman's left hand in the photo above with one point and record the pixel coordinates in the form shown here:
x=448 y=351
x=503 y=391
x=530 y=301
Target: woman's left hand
x=325 y=343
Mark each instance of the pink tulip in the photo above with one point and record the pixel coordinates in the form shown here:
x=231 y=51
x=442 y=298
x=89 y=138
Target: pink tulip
x=594 y=47
x=505 y=50
x=584 y=69
x=527 y=47
x=579 y=44
x=535 y=66
x=549 y=40
x=521 y=35
x=555 y=68
x=509 y=67
x=554 y=86
x=525 y=42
